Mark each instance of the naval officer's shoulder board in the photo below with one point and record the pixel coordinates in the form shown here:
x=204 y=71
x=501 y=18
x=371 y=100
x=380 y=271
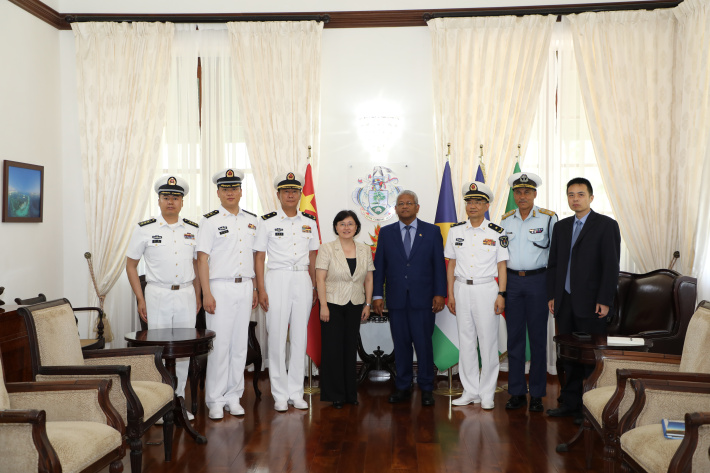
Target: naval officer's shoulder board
x=190 y=222
x=249 y=213
x=147 y=222
x=268 y=216
x=457 y=224
x=211 y=214
x=312 y=217
x=495 y=227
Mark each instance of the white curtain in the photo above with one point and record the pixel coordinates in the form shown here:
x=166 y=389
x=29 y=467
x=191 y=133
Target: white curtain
x=487 y=76
x=692 y=148
x=278 y=71
x=626 y=63
x=122 y=77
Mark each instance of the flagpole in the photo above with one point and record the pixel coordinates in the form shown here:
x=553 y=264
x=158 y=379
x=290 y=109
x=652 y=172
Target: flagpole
x=451 y=390
x=310 y=389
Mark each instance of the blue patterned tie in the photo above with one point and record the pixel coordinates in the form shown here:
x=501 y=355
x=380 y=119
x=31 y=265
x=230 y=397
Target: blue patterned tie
x=407 y=240
x=575 y=234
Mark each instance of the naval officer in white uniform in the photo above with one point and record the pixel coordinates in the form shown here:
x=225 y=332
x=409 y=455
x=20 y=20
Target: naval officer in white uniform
x=287 y=291
x=167 y=243
x=477 y=252
x=225 y=257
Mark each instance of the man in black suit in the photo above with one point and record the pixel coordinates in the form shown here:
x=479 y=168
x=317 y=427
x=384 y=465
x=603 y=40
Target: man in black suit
x=582 y=273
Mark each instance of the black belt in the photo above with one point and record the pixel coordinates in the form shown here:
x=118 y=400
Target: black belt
x=527 y=273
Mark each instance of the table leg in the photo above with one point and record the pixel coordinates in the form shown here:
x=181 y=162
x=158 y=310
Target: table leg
x=192 y=374
x=181 y=421
x=563 y=447
x=170 y=365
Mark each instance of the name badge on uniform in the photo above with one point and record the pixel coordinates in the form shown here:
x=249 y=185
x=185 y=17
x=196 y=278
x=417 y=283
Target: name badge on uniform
x=459 y=242
x=223 y=230
x=306 y=229
x=157 y=239
x=252 y=226
x=489 y=242
x=278 y=231
x=536 y=230
x=189 y=236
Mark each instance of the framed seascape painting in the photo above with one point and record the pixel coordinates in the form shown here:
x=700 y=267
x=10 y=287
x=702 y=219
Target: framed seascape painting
x=22 y=192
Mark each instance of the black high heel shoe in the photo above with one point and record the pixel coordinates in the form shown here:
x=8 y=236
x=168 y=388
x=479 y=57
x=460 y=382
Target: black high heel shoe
x=338 y=404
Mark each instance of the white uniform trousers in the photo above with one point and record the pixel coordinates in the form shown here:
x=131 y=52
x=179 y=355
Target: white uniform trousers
x=476 y=317
x=225 y=366
x=290 y=301
x=172 y=309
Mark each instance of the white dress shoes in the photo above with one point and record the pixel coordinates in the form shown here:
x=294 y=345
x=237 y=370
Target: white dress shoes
x=487 y=405
x=281 y=406
x=466 y=399
x=298 y=403
x=216 y=412
x=235 y=408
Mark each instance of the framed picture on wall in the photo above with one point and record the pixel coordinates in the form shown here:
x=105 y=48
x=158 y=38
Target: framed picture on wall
x=22 y=192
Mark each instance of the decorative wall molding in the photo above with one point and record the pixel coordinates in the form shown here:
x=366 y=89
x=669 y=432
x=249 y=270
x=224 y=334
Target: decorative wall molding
x=337 y=19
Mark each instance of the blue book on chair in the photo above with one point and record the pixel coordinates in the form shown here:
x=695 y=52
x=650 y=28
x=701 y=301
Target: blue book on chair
x=673 y=429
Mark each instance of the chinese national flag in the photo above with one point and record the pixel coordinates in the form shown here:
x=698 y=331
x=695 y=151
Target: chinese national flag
x=308 y=205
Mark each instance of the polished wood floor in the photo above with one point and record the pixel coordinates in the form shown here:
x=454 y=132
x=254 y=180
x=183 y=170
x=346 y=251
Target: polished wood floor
x=374 y=437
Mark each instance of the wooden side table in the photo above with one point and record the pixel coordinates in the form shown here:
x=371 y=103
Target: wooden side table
x=569 y=348
x=178 y=343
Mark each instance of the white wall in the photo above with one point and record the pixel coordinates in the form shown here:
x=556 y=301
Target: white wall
x=31 y=256
x=362 y=68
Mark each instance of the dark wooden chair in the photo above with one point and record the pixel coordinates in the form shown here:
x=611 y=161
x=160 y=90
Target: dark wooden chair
x=198 y=365
x=86 y=343
x=142 y=389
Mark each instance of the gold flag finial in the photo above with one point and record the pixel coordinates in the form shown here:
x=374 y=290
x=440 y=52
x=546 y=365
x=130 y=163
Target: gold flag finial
x=448 y=150
x=517 y=158
x=309 y=152
x=480 y=162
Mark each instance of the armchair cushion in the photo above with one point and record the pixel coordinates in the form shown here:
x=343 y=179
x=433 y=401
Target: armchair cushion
x=115 y=394
x=153 y=396
x=59 y=343
x=81 y=444
x=649 y=448
x=596 y=399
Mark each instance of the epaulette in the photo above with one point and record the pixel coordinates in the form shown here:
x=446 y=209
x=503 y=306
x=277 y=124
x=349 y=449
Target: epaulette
x=495 y=227
x=247 y=212
x=508 y=214
x=147 y=222
x=211 y=214
x=268 y=216
x=457 y=224
x=190 y=222
x=312 y=217
x=546 y=212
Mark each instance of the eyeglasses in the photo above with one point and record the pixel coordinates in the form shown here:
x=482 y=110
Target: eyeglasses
x=405 y=204
x=347 y=224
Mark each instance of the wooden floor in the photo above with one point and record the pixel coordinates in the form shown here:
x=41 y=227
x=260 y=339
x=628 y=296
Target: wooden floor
x=374 y=437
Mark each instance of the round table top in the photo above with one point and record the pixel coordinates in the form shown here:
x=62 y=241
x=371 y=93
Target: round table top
x=169 y=335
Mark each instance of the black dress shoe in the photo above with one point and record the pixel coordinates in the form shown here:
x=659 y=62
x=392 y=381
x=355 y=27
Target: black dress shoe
x=563 y=411
x=400 y=396
x=338 y=404
x=427 y=398
x=354 y=403
x=535 y=404
x=516 y=402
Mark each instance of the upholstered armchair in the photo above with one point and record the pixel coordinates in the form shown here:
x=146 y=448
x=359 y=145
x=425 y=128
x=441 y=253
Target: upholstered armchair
x=609 y=395
x=643 y=446
x=142 y=388
x=67 y=426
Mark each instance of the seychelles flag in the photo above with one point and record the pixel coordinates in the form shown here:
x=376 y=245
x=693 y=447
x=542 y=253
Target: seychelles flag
x=445 y=340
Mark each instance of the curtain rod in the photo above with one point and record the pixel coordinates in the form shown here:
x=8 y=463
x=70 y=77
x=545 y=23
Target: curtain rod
x=196 y=18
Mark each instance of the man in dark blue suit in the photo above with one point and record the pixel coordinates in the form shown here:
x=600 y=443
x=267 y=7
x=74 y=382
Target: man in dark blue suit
x=410 y=260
